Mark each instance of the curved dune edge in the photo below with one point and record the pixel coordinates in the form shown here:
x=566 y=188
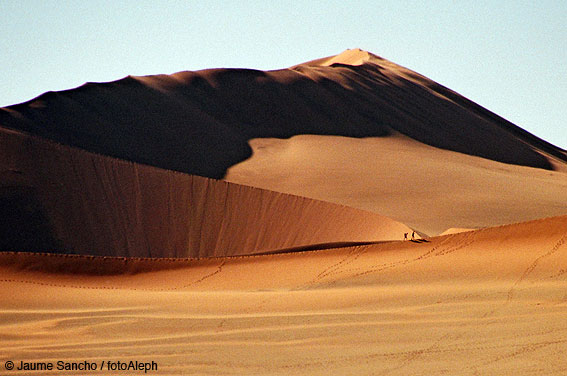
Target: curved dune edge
x=535 y=247
x=63 y=199
x=485 y=302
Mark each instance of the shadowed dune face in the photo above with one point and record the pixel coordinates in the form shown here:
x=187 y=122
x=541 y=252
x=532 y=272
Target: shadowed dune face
x=269 y=130
x=200 y=122
x=60 y=199
x=24 y=224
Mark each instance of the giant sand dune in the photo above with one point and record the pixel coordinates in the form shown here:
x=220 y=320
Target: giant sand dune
x=271 y=130
x=241 y=222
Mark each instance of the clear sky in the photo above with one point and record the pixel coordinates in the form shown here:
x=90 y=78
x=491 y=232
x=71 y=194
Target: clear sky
x=508 y=56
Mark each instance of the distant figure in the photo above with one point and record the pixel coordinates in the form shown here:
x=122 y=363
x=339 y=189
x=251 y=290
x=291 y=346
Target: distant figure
x=413 y=235
x=405 y=236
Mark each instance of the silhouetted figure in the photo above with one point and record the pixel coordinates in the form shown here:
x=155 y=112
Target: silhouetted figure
x=413 y=235
x=405 y=236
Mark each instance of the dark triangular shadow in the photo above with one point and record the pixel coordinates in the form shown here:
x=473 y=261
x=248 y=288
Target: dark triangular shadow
x=420 y=241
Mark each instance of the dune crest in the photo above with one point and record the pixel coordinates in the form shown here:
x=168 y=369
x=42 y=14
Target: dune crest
x=516 y=251
x=354 y=56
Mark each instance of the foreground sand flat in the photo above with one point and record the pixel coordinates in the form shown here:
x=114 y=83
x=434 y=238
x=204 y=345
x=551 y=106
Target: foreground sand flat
x=486 y=302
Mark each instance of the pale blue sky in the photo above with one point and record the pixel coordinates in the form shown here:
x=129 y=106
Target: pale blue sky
x=508 y=56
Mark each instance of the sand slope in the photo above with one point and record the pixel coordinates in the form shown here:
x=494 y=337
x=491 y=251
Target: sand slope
x=487 y=302
x=427 y=188
x=56 y=198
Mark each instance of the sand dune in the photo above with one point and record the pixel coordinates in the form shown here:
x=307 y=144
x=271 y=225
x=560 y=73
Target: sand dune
x=278 y=130
x=66 y=200
x=456 y=230
x=487 y=302
x=112 y=248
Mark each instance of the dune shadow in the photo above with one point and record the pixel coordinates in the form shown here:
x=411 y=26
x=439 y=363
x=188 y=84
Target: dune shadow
x=24 y=225
x=419 y=241
x=316 y=247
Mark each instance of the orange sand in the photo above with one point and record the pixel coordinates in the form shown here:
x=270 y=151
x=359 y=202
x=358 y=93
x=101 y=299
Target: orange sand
x=487 y=302
x=226 y=278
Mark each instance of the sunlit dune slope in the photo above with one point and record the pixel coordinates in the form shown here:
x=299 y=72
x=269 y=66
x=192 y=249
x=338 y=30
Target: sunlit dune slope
x=427 y=188
x=200 y=122
x=55 y=198
x=487 y=302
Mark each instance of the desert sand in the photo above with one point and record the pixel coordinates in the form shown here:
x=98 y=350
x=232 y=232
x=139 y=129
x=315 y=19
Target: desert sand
x=240 y=222
x=487 y=302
